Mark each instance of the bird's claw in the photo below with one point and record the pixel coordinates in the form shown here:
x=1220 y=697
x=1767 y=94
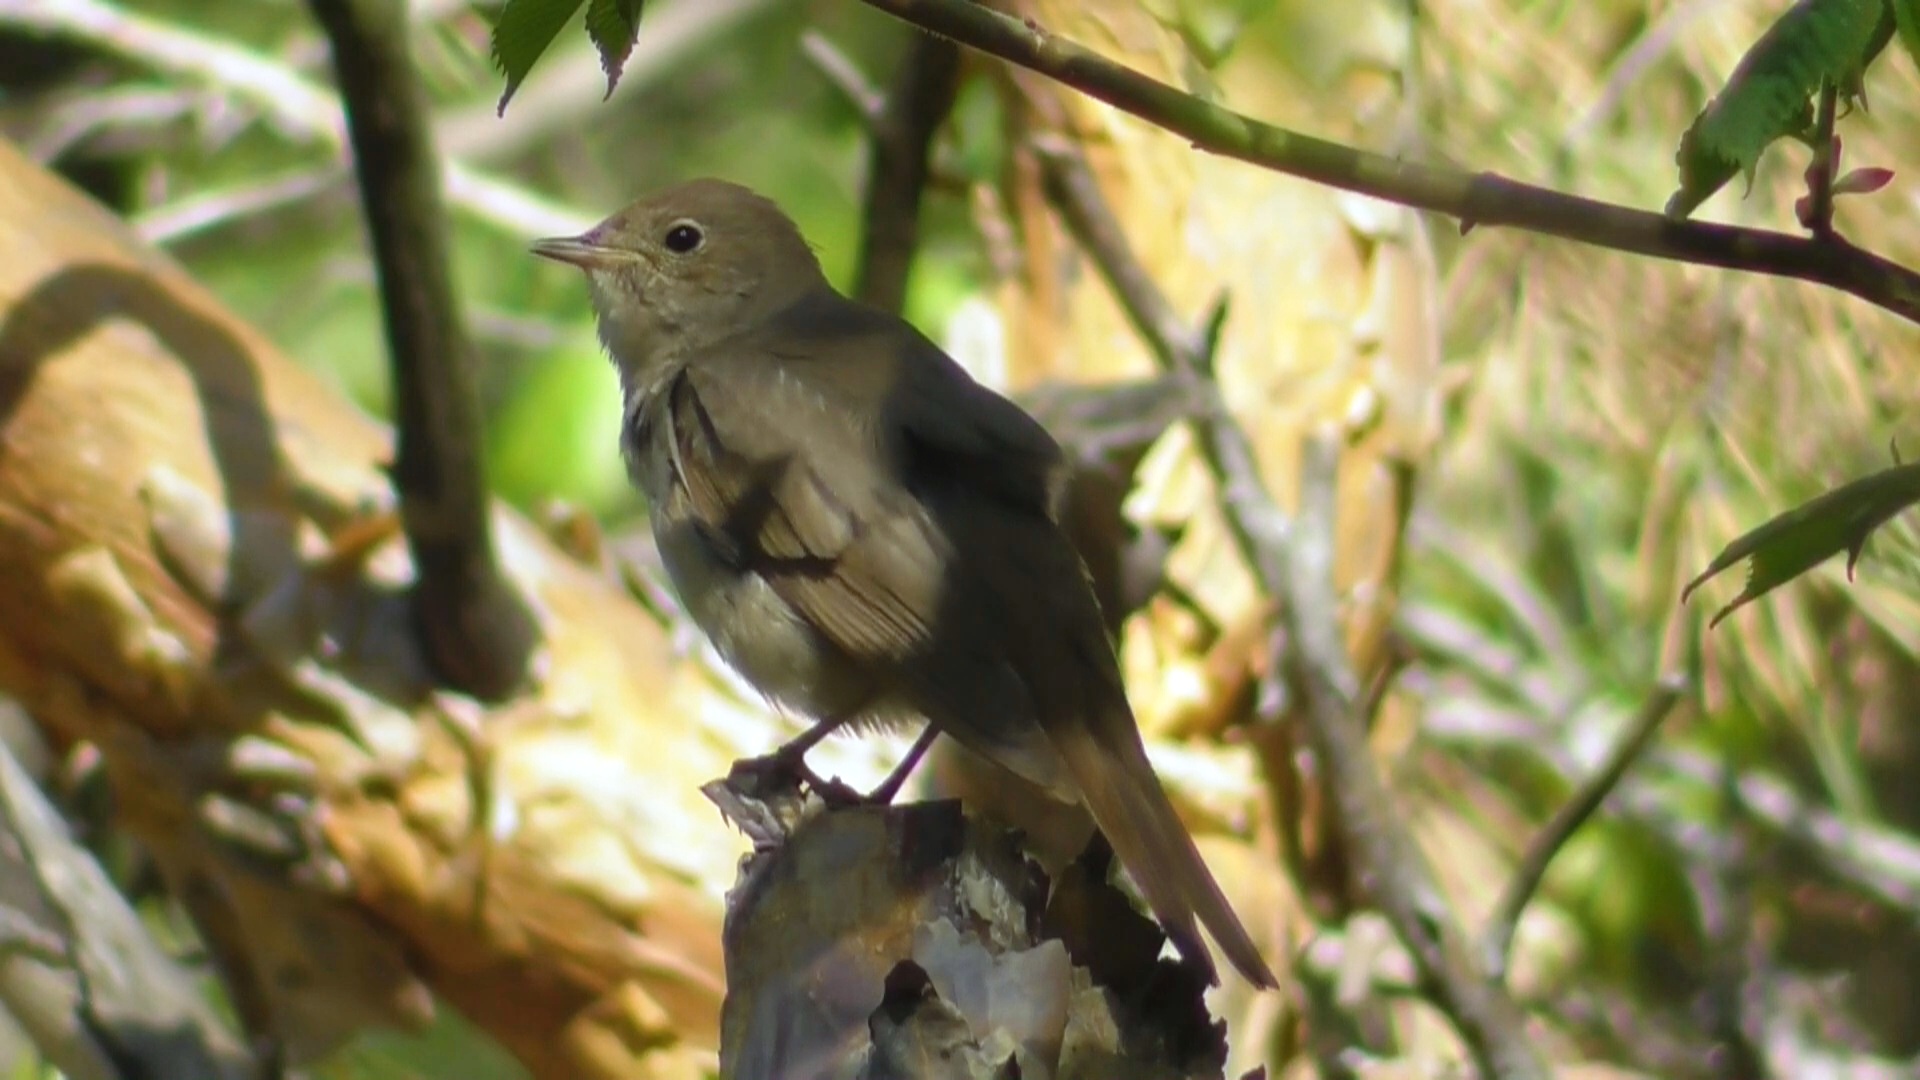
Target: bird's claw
x=784 y=769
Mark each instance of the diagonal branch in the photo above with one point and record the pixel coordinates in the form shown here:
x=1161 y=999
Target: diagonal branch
x=1473 y=198
x=1499 y=927
x=476 y=630
x=1293 y=561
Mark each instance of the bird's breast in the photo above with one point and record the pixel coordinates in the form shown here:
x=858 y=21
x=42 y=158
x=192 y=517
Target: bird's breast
x=754 y=629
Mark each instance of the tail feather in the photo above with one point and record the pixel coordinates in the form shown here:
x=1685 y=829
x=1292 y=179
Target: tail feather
x=1126 y=799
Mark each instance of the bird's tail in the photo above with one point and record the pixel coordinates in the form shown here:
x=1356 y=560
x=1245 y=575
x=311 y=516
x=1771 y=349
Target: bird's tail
x=1120 y=788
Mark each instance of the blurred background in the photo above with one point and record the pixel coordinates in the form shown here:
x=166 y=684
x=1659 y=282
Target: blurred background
x=1584 y=430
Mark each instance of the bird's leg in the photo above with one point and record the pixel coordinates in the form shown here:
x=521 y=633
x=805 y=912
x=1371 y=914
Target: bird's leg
x=796 y=748
x=883 y=795
x=790 y=760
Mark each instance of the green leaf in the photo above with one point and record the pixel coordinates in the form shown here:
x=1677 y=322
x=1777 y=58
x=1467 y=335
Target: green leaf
x=1806 y=536
x=613 y=25
x=1906 y=16
x=1769 y=95
x=525 y=29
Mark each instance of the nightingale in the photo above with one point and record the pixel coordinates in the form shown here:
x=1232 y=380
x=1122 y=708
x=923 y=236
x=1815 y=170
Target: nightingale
x=864 y=532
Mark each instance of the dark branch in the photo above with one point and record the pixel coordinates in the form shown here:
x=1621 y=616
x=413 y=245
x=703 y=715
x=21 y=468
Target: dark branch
x=898 y=165
x=475 y=628
x=1474 y=198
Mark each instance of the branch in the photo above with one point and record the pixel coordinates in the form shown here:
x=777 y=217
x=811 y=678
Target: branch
x=1879 y=862
x=1260 y=529
x=1293 y=562
x=1473 y=198
x=1497 y=933
x=218 y=206
x=844 y=75
x=1825 y=166
x=1389 y=865
x=901 y=126
x=78 y=968
x=899 y=162
x=477 y=631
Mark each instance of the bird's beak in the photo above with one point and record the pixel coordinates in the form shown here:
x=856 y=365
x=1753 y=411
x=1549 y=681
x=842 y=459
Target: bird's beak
x=582 y=251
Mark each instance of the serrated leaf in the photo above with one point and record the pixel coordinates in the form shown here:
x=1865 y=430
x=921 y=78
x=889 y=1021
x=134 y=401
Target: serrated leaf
x=1809 y=534
x=613 y=25
x=1906 y=16
x=525 y=29
x=1769 y=95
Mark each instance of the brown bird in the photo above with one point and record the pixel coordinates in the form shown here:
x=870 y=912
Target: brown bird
x=866 y=533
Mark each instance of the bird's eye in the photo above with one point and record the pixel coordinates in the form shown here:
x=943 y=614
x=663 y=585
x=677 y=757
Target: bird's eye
x=684 y=237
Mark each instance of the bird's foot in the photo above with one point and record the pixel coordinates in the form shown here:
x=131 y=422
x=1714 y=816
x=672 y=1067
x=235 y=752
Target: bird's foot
x=788 y=769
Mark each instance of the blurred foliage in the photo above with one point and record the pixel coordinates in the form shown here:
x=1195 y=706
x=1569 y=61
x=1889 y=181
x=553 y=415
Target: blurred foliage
x=450 y=1043
x=1615 y=422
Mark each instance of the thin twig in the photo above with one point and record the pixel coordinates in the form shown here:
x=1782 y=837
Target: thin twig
x=1653 y=44
x=1497 y=933
x=1821 y=172
x=207 y=210
x=476 y=629
x=899 y=161
x=1293 y=562
x=67 y=120
x=1474 y=198
x=1260 y=529
x=844 y=75
x=1877 y=862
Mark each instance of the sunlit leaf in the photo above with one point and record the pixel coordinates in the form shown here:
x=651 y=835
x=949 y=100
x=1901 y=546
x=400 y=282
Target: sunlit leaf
x=1809 y=534
x=613 y=25
x=1769 y=95
x=525 y=29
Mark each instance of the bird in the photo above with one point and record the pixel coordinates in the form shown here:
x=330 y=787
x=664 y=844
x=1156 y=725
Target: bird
x=867 y=534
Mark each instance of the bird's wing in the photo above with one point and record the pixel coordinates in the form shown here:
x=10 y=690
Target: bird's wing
x=815 y=460
x=942 y=432
x=785 y=483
